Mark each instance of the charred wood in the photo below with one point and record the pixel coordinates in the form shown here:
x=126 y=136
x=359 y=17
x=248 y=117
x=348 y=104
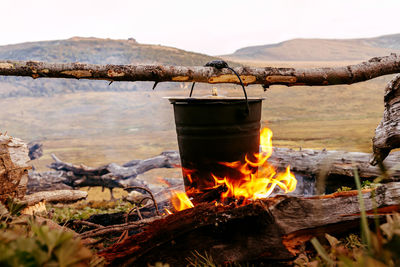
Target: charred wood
x=269 y=229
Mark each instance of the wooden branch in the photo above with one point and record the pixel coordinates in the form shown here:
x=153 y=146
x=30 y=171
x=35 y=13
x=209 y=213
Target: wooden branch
x=373 y=68
x=271 y=229
x=57 y=196
x=387 y=134
x=119 y=228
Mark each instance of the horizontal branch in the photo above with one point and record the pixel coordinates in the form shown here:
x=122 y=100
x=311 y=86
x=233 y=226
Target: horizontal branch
x=373 y=68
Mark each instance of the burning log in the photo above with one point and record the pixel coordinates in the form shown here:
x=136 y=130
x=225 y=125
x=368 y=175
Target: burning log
x=373 y=68
x=273 y=229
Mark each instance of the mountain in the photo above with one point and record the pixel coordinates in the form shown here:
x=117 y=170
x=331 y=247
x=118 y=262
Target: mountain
x=320 y=49
x=88 y=50
x=101 y=51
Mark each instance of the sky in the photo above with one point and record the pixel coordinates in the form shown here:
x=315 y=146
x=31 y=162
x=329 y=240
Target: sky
x=214 y=27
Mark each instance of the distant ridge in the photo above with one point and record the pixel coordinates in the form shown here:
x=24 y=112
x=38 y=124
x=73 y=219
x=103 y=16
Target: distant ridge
x=101 y=51
x=320 y=49
x=89 y=50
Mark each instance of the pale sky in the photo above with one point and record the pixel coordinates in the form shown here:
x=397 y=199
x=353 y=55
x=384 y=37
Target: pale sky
x=209 y=26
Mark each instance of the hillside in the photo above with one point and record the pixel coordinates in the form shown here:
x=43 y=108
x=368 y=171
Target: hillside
x=101 y=51
x=320 y=49
x=88 y=50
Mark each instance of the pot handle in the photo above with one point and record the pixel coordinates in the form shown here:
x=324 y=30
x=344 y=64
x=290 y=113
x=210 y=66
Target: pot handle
x=220 y=64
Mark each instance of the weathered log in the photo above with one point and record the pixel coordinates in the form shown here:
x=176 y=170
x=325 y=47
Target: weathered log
x=264 y=230
x=339 y=163
x=47 y=181
x=132 y=169
x=57 y=196
x=387 y=134
x=306 y=162
x=373 y=68
x=13 y=167
x=69 y=176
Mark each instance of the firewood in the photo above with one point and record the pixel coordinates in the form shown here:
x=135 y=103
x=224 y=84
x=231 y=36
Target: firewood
x=272 y=229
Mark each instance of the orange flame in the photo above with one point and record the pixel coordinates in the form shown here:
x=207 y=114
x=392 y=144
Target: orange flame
x=260 y=184
x=181 y=201
x=258 y=178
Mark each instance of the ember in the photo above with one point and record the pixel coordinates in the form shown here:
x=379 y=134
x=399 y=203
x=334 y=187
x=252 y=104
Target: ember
x=258 y=178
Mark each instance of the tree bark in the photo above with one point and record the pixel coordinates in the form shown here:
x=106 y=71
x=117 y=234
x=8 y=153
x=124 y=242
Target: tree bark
x=269 y=229
x=13 y=167
x=373 y=68
x=387 y=134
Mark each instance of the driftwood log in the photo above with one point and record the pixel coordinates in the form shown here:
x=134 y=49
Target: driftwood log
x=338 y=163
x=69 y=176
x=272 y=229
x=13 y=167
x=387 y=134
x=373 y=68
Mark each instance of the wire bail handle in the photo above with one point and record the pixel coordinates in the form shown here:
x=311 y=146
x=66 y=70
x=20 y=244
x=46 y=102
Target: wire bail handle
x=220 y=64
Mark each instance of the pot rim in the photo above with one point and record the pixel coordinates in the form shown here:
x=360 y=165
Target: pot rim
x=212 y=99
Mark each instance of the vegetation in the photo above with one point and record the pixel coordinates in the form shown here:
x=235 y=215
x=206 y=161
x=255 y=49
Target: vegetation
x=83 y=210
x=24 y=242
x=375 y=248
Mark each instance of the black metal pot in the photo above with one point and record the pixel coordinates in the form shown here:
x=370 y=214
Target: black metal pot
x=213 y=130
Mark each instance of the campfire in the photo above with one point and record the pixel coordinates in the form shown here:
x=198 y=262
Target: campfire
x=258 y=179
